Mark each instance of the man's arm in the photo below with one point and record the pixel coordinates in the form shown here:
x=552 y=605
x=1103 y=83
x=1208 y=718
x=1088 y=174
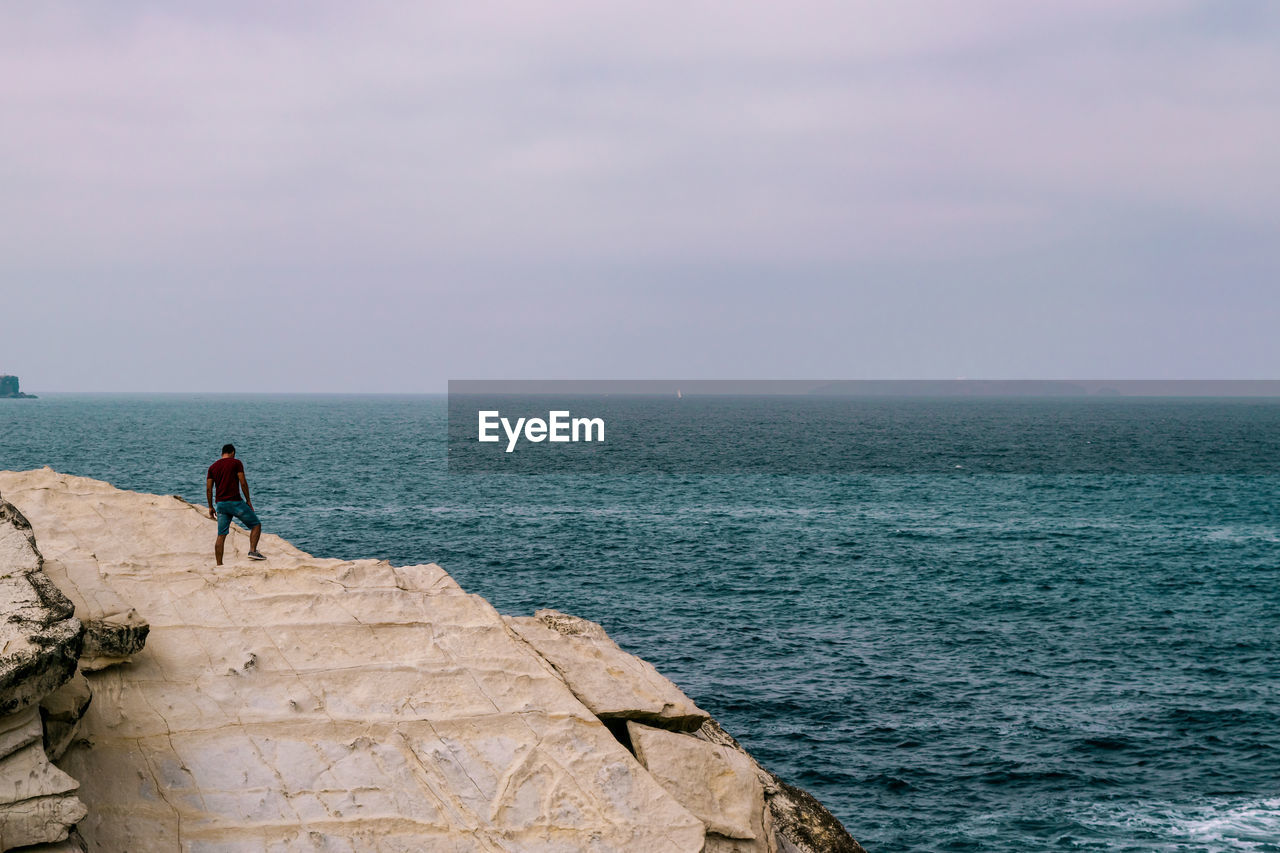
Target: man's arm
x=208 y=496
x=244 y=484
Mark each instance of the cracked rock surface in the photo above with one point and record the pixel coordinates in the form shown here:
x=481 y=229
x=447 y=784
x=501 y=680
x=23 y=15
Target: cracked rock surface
x=706 y=770
x=612 y=682
x=313 y=704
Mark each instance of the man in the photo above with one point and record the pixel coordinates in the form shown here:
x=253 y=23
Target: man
x=228 y=474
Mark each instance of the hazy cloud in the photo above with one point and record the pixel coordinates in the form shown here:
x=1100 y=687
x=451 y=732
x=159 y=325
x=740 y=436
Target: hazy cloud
x=379 y=196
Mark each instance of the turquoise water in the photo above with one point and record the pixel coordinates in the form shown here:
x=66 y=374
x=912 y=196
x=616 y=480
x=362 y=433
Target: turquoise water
x=1013 y=662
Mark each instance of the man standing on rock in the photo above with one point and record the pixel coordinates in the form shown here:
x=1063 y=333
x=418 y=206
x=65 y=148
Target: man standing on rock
x=228 y=474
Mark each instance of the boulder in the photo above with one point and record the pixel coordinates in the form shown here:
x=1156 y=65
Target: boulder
x=716 y=783
x=612 y=683
x=620 y=687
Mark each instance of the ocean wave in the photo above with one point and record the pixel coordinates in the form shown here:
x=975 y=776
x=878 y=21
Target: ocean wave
x=1242 y=533
x=1219 y=824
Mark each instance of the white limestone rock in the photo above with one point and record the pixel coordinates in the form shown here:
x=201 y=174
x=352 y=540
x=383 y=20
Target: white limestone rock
x=718 y=784
x=19 y=730
x=313 y=704
x=69 y=702
x=609 y=681
x=39 y=642
x=62 y=711
x=37 y=802
x=114 y=631
x=40 y=638
x=26 y=774
x=800 y=824
x=18 y=552
x=720 y=844
x=73 y=843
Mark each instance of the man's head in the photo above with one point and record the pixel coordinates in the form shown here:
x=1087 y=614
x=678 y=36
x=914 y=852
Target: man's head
x=228 y=450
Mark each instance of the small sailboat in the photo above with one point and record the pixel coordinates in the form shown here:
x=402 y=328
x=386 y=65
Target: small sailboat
x=679 y=396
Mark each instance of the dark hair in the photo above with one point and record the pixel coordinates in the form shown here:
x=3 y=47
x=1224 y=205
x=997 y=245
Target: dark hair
x=228 y=448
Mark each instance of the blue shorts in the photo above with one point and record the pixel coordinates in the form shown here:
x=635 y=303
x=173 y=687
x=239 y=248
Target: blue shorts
x=239 y=509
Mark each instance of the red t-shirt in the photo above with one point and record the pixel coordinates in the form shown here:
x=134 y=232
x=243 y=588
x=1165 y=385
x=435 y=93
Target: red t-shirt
x=225 y=475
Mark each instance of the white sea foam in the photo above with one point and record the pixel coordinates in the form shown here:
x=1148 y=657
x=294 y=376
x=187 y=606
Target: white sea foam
x=1252 y=826
x=1217 y=826
x=1243 y=533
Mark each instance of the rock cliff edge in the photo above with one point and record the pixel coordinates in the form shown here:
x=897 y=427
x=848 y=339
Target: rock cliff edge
x=318 y=704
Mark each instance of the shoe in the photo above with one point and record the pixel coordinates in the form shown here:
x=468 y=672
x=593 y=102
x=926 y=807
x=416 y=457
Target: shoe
x=254 y=555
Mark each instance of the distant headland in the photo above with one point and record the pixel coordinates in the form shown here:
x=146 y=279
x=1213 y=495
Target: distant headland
x=9 y=388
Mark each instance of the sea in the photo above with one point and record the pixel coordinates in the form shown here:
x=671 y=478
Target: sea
x=949 y=660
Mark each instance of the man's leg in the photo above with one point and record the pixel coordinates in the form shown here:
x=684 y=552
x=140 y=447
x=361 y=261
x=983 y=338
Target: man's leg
x=217 y=548
x=253 y=537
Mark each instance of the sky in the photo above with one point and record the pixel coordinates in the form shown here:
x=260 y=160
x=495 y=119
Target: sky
x=379 y=197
